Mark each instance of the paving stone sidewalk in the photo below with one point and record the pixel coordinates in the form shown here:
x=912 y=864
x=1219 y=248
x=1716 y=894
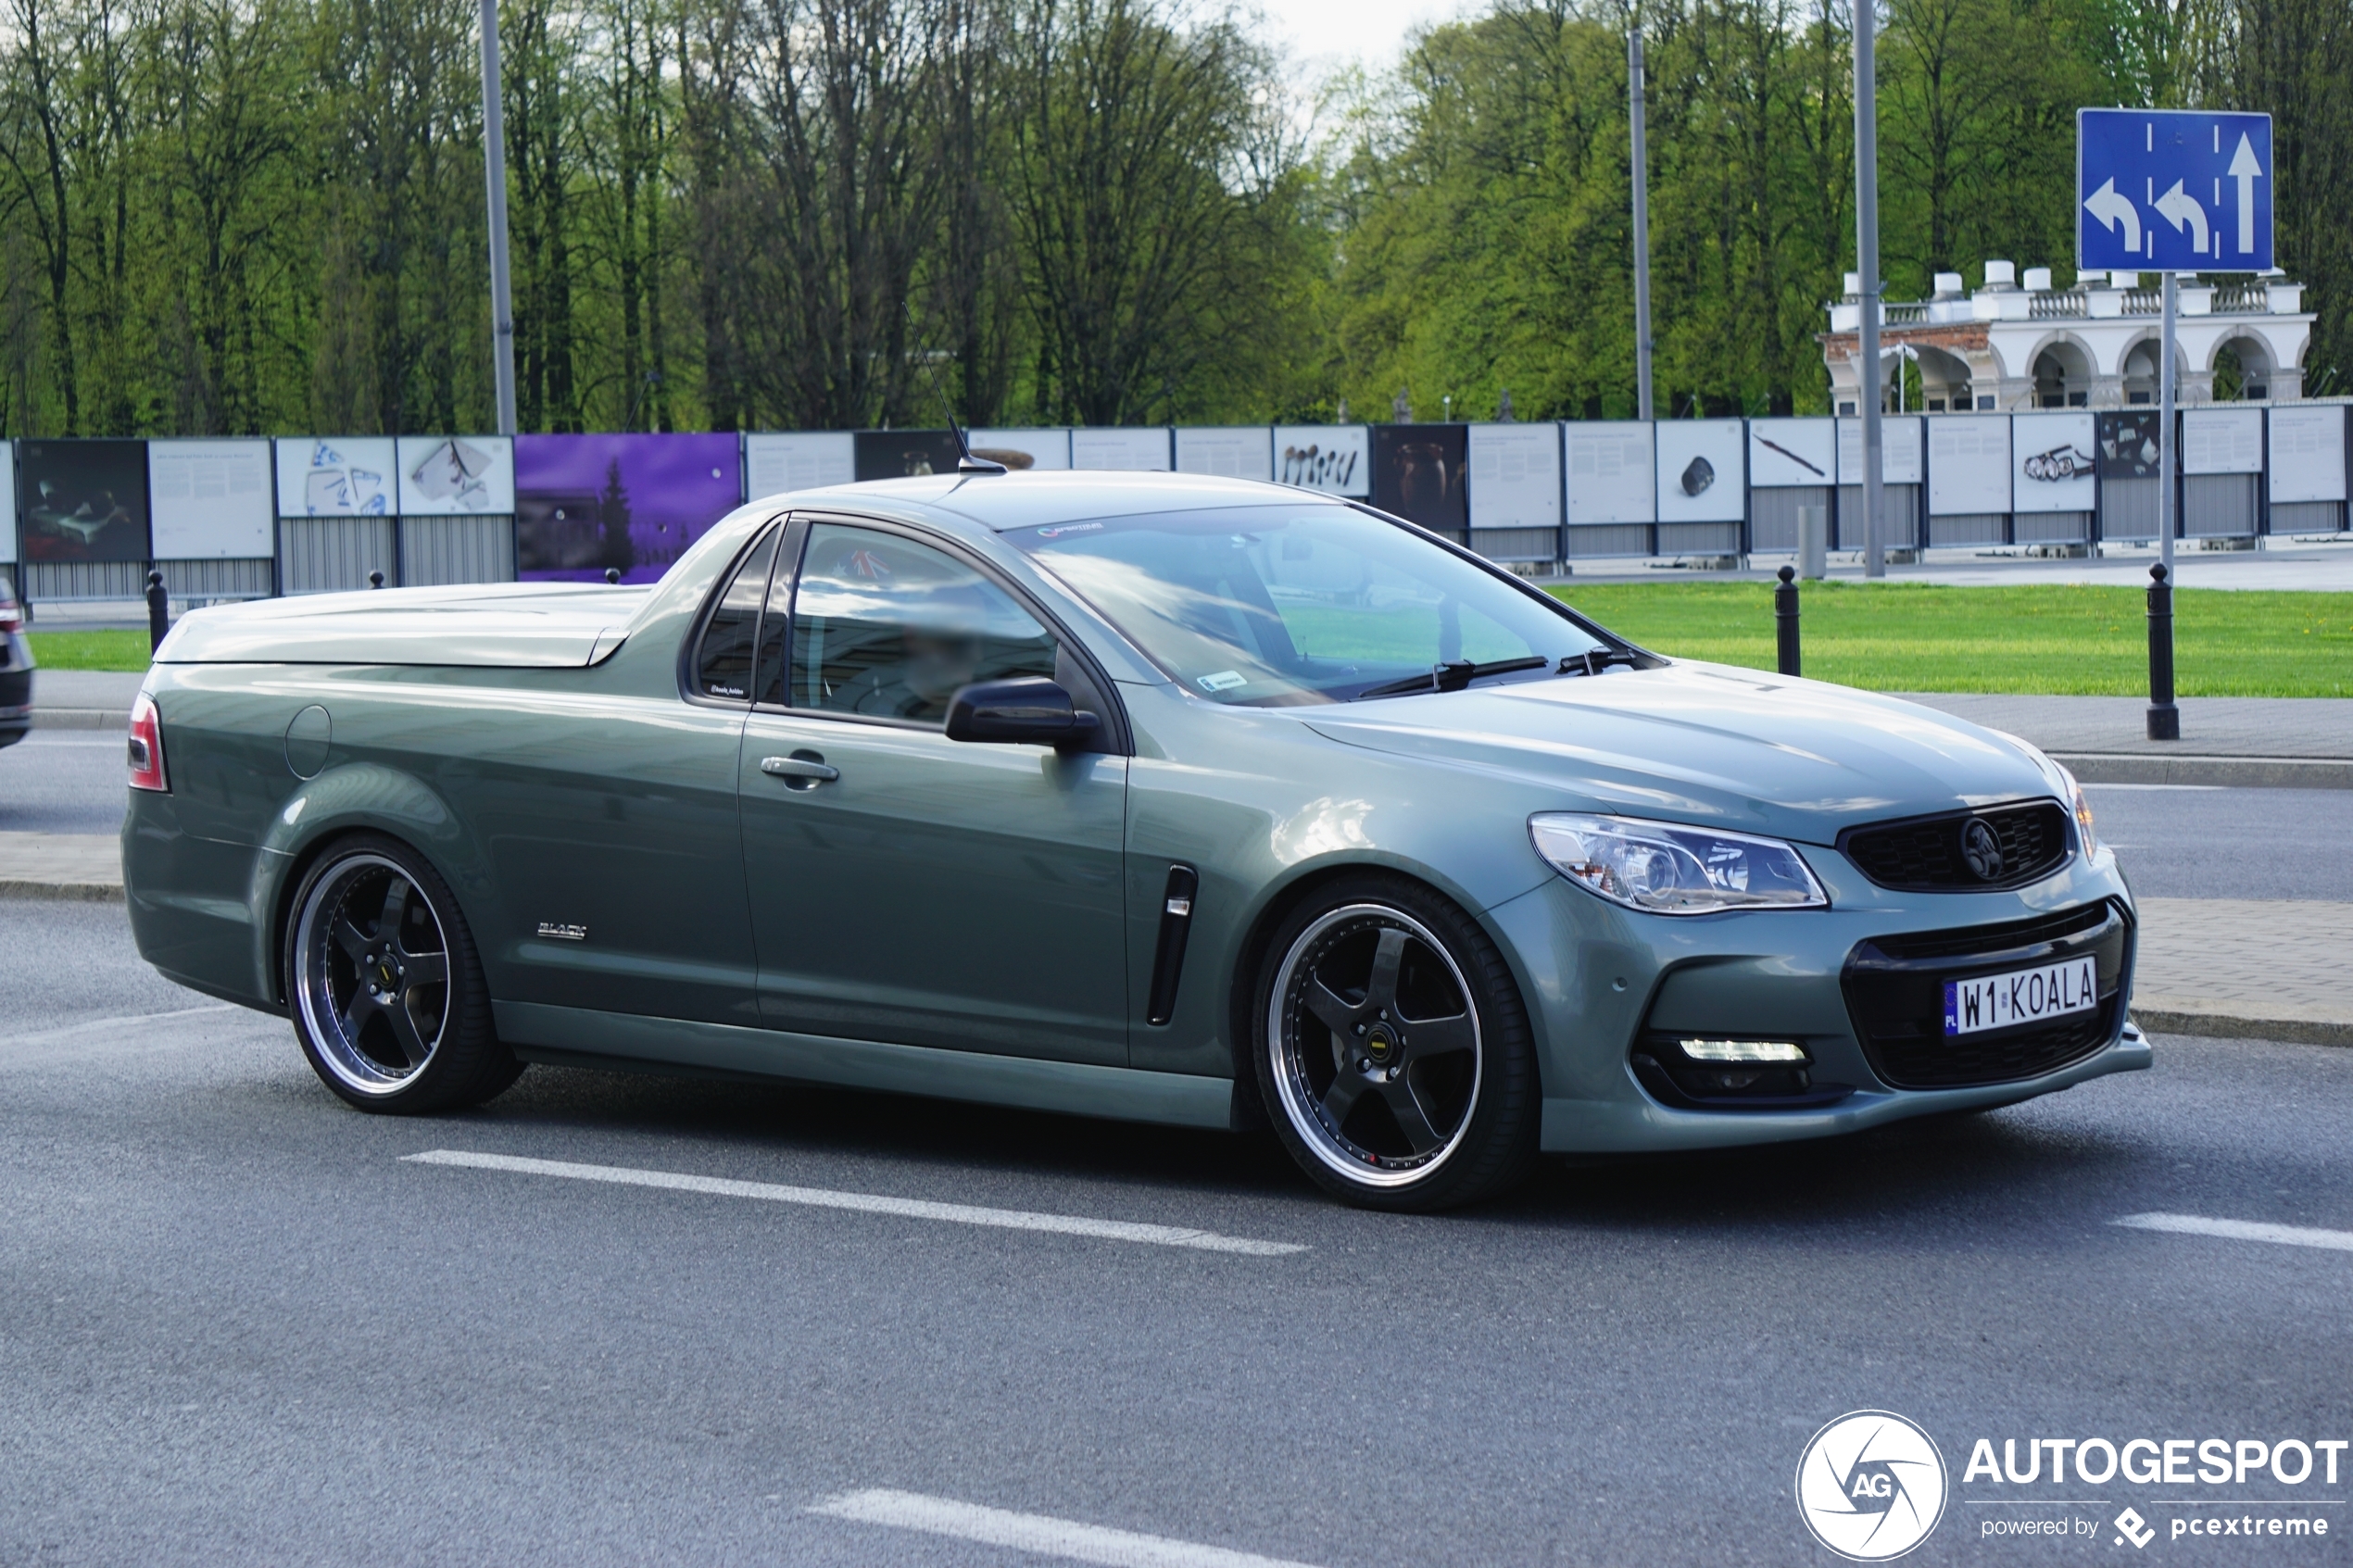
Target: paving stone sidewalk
x=2296 y=743
x=2316 y=727
x=60 y=865
x=83 y=699
x=2232 y=968
x=2261 y=969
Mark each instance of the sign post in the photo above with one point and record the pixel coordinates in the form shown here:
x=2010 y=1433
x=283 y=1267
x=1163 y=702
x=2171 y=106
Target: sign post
x=2151 y=195
x=1867 y=264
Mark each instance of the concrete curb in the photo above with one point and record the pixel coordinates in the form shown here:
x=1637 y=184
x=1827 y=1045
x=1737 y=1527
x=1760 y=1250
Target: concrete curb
x=61 y=891
x=2232 y=772
x=2170 y=1015
x=79 y=719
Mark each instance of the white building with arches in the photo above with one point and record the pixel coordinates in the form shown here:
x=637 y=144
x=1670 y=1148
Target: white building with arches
x=2008 y=348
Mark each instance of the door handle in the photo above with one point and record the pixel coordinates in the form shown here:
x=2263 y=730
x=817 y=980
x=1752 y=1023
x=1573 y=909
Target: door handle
x=802 y=769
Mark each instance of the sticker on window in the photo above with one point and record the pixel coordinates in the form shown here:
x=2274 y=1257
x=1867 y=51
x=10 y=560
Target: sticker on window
x=1224 y=681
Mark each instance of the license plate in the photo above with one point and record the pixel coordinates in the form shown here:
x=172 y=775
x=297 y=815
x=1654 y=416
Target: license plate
x=2022 y=996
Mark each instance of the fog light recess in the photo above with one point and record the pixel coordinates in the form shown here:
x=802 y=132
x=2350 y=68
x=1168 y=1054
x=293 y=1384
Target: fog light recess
x=1716 y=1073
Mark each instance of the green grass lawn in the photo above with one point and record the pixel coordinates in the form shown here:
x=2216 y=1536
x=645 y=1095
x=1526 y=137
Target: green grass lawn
x=1900 y=637
x=2055 y=638
x=90 y=651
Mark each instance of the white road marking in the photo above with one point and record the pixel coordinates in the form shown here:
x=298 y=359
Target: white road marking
x=100 y=1039
x=2241 y=1230
x=1036 y=1532
x=864 y=1202
x=126 y=1021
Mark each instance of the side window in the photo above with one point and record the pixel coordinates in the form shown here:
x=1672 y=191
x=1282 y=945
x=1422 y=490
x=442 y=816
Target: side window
x=889 y=629
x=724 y=661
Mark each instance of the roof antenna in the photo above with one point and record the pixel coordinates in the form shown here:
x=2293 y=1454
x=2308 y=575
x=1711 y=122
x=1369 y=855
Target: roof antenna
x=965 y=461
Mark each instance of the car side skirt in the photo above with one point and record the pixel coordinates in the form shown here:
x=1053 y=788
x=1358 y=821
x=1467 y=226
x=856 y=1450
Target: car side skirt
x=579 y=1036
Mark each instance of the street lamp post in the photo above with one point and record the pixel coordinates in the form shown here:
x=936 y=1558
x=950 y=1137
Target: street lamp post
x=1640 y=163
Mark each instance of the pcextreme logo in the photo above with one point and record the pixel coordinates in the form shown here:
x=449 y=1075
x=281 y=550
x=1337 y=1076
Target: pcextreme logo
x=1871 y=1485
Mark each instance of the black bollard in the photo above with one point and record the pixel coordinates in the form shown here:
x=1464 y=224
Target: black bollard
x=2165 y=719
x=376 y=580
x=1785 y=621
x=612 y=576
x=159 y=611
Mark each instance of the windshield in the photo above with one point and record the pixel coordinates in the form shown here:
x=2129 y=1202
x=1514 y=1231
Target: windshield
x=1271 y=605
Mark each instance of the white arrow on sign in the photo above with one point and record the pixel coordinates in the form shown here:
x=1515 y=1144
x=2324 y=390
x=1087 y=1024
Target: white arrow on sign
x=2179 y=208
x=2243 y=168
x=2111 y=209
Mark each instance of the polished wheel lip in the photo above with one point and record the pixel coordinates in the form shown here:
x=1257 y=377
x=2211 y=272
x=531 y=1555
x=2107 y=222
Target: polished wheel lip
x=1283 y=1057
x=315 y=936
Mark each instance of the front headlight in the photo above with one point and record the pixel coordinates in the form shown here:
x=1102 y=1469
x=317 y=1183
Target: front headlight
x=2079 y=803
x=1667 y=868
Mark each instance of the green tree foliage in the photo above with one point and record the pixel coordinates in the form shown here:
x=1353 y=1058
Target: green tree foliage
x=1480 y=191
x=257 y=216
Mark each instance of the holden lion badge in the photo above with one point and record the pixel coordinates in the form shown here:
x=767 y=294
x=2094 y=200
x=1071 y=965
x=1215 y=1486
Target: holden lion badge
x=1871 y=1485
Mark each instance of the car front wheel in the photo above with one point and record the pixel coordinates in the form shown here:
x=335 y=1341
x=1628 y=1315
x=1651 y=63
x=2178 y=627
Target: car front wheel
x=1393 y=1048
x=386 y=990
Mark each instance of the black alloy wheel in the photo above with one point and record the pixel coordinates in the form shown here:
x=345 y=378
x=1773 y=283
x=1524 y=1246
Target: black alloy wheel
x=384 y=984
x=1394 y=1054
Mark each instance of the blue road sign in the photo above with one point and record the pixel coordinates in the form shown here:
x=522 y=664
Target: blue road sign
x=2172 y=191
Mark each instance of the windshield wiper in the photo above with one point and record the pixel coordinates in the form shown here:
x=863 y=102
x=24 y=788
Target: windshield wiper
x=1451 y=676
x=1592 y=661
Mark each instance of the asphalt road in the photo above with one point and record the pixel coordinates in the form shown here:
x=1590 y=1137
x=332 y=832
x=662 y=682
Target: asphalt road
x=237 y=1323
x=2195 y=843
x=2175 y=843
x=63 y=781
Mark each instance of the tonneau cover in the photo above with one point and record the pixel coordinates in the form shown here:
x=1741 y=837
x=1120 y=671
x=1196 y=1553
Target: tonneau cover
x=509 y=626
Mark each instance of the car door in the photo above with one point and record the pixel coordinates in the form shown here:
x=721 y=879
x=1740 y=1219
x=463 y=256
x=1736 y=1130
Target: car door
x=906 y=887
x=609 y=816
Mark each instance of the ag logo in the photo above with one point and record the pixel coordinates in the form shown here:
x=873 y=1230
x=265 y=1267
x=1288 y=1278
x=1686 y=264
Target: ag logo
x=1871 y=1485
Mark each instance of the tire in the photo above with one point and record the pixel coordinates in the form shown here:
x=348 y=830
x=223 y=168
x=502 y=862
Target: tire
x=1394 y=1053
x=385 y=987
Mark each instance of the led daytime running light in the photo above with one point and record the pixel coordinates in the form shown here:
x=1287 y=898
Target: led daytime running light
x=1780 y=1053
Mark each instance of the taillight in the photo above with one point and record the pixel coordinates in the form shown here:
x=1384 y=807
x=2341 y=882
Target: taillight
x=12 y=613
x=146 y=747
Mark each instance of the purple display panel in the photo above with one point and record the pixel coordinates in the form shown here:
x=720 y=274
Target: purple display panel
x=587 y=503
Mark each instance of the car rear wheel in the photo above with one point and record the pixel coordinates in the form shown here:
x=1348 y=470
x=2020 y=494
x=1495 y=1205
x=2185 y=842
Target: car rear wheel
x=387 y=992
x=1393 y=1048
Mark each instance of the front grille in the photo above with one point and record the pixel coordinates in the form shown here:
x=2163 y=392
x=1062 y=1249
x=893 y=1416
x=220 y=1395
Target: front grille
x=2009 y=936
x=1927 y=854
x=1895 y=989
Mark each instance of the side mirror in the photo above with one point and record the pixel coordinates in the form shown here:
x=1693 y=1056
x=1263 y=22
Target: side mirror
x=1033 y=711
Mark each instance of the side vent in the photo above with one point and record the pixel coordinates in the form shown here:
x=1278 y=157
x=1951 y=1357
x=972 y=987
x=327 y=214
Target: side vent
x=1168 y=960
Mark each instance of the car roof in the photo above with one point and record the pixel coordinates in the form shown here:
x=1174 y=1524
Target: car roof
x=1002 y=501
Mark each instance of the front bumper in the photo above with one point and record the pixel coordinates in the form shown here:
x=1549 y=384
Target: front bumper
x=16 y=690
x=1597 y=978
